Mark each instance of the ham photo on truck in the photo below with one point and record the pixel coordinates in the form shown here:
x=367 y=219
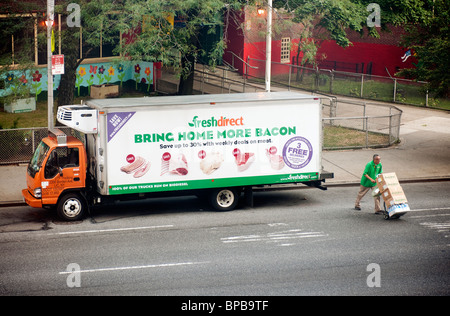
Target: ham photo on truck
x=214 y=146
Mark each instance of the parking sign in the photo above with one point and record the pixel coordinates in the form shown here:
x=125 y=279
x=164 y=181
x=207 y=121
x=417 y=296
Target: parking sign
x=58 y=64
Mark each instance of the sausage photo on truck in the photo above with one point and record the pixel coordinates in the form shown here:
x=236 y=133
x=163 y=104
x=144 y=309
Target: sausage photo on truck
x=208 y=145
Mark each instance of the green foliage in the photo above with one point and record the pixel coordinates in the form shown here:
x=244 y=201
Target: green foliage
x=160 y=41
x=429 y=39
x=329 y=18
x=425 y=22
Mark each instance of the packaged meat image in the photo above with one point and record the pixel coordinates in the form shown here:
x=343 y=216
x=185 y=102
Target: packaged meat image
x=276 y=161
x=142 y=171
x=138 y=166
x=243 y=161
x=211 y=162
x=174 y=165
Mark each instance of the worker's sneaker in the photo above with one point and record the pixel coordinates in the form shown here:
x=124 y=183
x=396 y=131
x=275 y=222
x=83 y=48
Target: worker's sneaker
x=357 y=208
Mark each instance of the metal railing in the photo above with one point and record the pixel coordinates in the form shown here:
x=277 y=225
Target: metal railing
x=346 y=124
x=247 y=65
x=226 y=84
x=354 y=125
x=345 y=83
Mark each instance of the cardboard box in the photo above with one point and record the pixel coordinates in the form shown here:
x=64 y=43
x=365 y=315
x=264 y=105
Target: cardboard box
x=391 y=190
x=398 y=209
x=385 y=180
x=394 y=195
x=104 y=91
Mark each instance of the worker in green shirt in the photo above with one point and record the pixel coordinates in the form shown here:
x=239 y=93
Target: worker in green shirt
x=368 y=182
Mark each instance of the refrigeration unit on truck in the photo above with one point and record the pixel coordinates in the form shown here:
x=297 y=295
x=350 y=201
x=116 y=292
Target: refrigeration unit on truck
x=215 y=146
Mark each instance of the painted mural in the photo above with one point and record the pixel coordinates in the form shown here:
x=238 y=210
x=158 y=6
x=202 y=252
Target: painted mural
x=87 y=75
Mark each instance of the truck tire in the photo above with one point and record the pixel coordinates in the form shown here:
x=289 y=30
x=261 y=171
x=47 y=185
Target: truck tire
x=224 y=200
x=71 y=207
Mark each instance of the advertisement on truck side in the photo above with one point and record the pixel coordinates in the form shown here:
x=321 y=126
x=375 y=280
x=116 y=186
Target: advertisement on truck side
x=165 y=148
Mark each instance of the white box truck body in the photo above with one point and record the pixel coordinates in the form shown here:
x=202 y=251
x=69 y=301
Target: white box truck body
x=189 y=144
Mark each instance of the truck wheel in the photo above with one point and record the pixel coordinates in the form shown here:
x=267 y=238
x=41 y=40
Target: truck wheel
x=71 y=207
x=224 y=199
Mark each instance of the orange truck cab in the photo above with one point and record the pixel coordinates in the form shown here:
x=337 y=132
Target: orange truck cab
x=56 y=176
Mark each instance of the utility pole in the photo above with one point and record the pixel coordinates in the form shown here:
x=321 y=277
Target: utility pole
x=269 y=45
x=50 y=19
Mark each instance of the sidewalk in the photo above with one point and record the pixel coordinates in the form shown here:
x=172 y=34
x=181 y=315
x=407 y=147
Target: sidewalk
x=423 y=153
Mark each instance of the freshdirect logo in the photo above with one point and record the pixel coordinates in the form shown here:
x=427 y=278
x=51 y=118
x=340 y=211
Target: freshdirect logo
x=297 y=177
x=213 y=122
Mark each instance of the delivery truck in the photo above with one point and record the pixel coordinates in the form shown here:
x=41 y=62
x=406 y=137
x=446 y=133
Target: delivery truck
x=213 y=146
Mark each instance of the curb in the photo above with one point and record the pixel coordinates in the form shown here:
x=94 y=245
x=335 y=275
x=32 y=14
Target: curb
x=288 y=187
x=403 y=181
x=12 y=203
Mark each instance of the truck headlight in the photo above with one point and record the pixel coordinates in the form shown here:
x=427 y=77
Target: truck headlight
x=37 y=193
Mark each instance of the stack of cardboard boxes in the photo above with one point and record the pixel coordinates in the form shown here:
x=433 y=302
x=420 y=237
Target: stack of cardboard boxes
x=392 y=194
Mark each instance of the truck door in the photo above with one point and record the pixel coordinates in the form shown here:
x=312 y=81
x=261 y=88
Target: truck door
x=61 y=172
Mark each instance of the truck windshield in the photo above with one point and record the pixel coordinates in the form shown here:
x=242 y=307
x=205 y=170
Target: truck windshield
x=37 y=159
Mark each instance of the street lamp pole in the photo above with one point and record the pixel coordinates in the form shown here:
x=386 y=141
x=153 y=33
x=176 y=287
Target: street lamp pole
x=50 y=19
x=269 y=45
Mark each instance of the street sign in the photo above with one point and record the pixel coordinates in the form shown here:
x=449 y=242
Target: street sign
x=58 y=64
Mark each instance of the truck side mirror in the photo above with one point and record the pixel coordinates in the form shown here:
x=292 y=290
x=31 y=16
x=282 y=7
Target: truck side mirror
x=60 y=171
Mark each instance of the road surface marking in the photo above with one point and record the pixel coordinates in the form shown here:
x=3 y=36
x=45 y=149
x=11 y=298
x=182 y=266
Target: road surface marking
x=428 y=216
x=277 y=224
x=440 y=227
x=271 y=237
x=431 y=209
x=111 y=230
x=163 y=265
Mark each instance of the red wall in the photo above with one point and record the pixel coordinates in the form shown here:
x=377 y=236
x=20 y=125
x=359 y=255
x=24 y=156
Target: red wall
x=381 y=56
x=235 y=40
x=258 y=51
x=381 y=53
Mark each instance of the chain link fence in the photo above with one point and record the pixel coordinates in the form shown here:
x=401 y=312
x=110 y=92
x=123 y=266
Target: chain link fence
x=350 y=84
x=346 y=124
x=352 y=125
x=18 y=145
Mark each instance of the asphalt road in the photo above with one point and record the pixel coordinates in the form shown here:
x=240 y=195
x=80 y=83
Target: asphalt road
x=300 y=242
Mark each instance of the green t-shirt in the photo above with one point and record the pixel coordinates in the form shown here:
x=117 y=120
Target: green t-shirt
x=372 y=171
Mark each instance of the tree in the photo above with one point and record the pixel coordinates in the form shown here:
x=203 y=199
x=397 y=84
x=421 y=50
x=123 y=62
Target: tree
x=97 y=21
x=425 y=23
x=150 y=34
x=427 y=34
x=16 y=48
x=154 y=38
x=322 y=20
